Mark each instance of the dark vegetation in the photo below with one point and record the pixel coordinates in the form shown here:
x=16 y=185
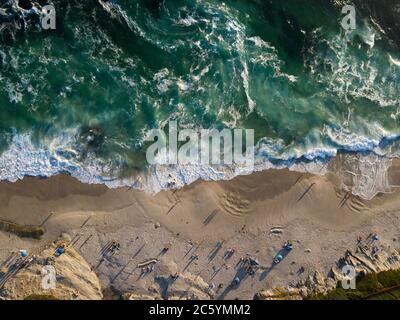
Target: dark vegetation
x=34 y=232
x=374 y=286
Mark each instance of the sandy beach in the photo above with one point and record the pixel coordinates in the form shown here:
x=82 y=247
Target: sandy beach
x=253 y=214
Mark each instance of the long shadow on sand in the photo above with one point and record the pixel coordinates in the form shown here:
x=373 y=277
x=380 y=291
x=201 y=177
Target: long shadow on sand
x=214 y=253
x=242 y=275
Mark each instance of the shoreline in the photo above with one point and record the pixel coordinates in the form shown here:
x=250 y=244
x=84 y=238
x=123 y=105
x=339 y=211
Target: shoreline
x=254 y=214
x=22 y=158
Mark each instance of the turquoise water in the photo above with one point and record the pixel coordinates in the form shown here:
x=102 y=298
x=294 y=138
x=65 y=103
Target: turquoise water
x=284 y=68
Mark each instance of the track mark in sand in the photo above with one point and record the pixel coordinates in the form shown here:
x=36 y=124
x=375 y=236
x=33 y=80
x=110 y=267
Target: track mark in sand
x=173 y=207
x=234 y=204
x=357 y=204
x=177 y=201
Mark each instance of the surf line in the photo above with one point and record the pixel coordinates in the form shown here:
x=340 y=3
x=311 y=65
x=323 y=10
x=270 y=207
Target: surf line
x=160 y=310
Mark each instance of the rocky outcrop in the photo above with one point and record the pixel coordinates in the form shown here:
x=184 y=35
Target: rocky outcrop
x=185 y=286
x=139 y=296
x=73 y=277
x=171 y=285
x=367 y=258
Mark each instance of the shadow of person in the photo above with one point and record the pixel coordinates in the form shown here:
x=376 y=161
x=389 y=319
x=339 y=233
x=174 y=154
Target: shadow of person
x=242 y=275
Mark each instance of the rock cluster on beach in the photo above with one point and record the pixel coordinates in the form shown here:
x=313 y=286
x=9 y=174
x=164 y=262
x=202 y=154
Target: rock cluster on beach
x=185 y=286
x=365 y=259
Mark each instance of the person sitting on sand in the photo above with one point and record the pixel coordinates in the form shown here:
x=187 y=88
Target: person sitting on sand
x=165 y=250
x=60 y=249
x=288 y=245
x=229 y=253
x=115 y=246
x=301 y=270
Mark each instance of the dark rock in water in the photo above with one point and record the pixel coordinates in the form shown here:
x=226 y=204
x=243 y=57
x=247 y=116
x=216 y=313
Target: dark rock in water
x=20 y=14
x=93 y=137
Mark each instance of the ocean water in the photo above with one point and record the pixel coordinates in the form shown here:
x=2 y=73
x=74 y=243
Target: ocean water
x=286 y=69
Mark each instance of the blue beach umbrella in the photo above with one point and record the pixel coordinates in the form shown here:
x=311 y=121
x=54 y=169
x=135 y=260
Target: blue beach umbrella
x=24 y=253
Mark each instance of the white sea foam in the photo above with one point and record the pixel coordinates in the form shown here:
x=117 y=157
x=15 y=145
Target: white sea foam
x=24 y=158
x=394 y=61
x=188 y=21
